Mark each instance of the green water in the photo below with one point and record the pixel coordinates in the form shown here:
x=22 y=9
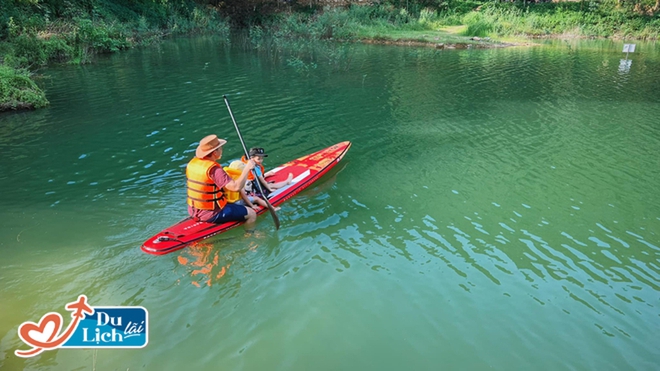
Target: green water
x=499 y=209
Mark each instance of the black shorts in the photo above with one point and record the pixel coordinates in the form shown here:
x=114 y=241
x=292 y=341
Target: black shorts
x=230 y=213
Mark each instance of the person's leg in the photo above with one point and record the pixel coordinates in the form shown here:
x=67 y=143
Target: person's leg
x=230 y=213
x=250 y=218
x=264 y=187
x=283 y=183
x=233 y=212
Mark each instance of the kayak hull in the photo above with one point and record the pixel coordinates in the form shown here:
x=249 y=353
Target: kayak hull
x=305 y=170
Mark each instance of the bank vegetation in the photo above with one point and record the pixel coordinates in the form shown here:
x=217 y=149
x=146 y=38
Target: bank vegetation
x=34 y=33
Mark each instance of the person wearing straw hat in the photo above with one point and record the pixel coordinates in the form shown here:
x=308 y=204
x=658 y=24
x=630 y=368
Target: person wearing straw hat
x=206 y=180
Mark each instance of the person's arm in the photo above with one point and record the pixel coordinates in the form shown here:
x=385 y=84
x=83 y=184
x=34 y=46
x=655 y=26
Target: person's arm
x=238 y=184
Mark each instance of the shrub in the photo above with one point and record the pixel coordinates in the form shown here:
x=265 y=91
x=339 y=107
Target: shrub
x=477 y=25
x=100 y=37
x=18 y=91
x=28 y=51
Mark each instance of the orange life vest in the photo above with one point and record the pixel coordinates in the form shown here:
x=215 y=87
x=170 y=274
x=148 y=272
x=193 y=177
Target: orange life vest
x=250 y=174
x=202 y=192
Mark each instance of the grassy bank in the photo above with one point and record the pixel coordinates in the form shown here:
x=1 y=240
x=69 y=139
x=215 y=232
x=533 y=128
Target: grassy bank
x=306 y=39
x=569 y=19
x=495 y=20
x=34 y=33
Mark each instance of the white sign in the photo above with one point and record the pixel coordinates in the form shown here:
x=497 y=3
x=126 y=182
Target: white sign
x=628 y=48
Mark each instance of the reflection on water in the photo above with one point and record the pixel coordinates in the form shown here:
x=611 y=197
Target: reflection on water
x=203 y=264
x=498 y=209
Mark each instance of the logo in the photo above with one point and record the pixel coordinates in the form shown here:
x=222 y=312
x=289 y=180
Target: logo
x=90 y=327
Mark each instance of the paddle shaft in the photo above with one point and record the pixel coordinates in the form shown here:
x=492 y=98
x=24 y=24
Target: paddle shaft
x=276 y=219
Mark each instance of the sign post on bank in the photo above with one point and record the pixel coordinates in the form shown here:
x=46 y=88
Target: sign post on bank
x=624 y=64
x=628 y=48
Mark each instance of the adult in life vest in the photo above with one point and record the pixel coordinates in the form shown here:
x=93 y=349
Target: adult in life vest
x=206 y=180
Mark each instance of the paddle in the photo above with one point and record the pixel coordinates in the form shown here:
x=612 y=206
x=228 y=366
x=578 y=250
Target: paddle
x=276 y=219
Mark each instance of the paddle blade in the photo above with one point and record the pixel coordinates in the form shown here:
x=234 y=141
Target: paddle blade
x=276 y=219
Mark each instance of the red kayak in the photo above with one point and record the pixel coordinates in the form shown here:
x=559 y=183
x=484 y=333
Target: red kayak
x=306 y=170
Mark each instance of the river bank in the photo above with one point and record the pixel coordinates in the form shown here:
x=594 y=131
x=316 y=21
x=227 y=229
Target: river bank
x=31 y=38
x=36 y=34
x=449 y=37
x=488 y=25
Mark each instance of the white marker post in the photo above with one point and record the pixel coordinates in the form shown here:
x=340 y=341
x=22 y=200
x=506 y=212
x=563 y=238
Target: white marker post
x=624 y=64
x=628 y=48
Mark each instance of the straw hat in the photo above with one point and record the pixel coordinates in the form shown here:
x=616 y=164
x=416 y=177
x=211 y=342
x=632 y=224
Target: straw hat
x=209 y=144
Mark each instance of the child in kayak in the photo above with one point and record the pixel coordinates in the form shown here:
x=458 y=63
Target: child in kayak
x=236 y=168
x=257 y=155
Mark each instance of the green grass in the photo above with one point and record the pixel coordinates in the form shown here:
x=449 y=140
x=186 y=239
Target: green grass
x=378 y=23
x=557 y=19
x=426 y=36
x=18 y=91
x=491 y=20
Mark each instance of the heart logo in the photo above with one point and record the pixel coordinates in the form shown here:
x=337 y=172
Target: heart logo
x=43 y=333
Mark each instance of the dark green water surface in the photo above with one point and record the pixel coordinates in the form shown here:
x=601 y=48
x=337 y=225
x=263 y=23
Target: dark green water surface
x=499 y=209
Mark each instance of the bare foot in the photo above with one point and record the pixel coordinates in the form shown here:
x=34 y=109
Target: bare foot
x=289 y=179
x=277 y=208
